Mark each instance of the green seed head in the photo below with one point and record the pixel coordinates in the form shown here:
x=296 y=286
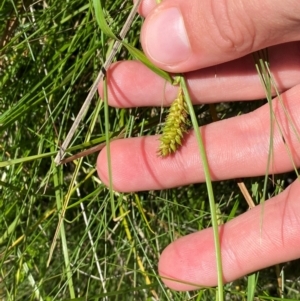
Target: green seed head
x=176 y=125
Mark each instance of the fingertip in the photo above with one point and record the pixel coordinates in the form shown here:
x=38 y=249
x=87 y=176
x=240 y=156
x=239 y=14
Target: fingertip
x=100 y=89
x=101 y=166
x=180 y=264
x=131 y=84
x=116 y=167
x=118 y=76
x=170 y=272
x=119 y=174
x=130 y=169
x=146 y=6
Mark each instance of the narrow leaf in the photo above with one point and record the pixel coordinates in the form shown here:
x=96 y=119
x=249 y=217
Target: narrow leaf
x=101 y=19
x=139 y=55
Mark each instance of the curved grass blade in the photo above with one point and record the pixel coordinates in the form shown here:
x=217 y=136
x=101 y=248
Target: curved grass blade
x=132 y=50
x=100 y=18
x=139 y=55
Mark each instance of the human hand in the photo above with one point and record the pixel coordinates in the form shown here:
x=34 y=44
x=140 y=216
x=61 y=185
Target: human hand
x=220 y=37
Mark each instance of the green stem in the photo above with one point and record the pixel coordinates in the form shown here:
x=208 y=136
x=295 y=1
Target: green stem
x=107 y=136
x=212 y=204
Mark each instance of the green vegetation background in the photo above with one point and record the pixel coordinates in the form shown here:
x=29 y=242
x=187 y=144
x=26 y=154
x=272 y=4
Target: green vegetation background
x=50 y=53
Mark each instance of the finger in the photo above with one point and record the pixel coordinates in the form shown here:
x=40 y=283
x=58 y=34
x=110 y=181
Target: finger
x=236 y=147
x=146 y=6
x=262 y=237
x=131 y=84
x=181 y=36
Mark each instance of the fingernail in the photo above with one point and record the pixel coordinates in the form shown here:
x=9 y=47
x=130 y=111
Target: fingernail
x=166 y=40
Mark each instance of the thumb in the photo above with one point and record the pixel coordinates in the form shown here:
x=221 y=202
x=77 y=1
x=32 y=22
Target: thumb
x=180 y=35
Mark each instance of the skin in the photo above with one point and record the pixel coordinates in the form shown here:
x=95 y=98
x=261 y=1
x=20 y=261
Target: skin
x=221 y=35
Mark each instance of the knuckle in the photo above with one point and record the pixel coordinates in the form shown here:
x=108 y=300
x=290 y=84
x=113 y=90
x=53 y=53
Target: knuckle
x=232 y=29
